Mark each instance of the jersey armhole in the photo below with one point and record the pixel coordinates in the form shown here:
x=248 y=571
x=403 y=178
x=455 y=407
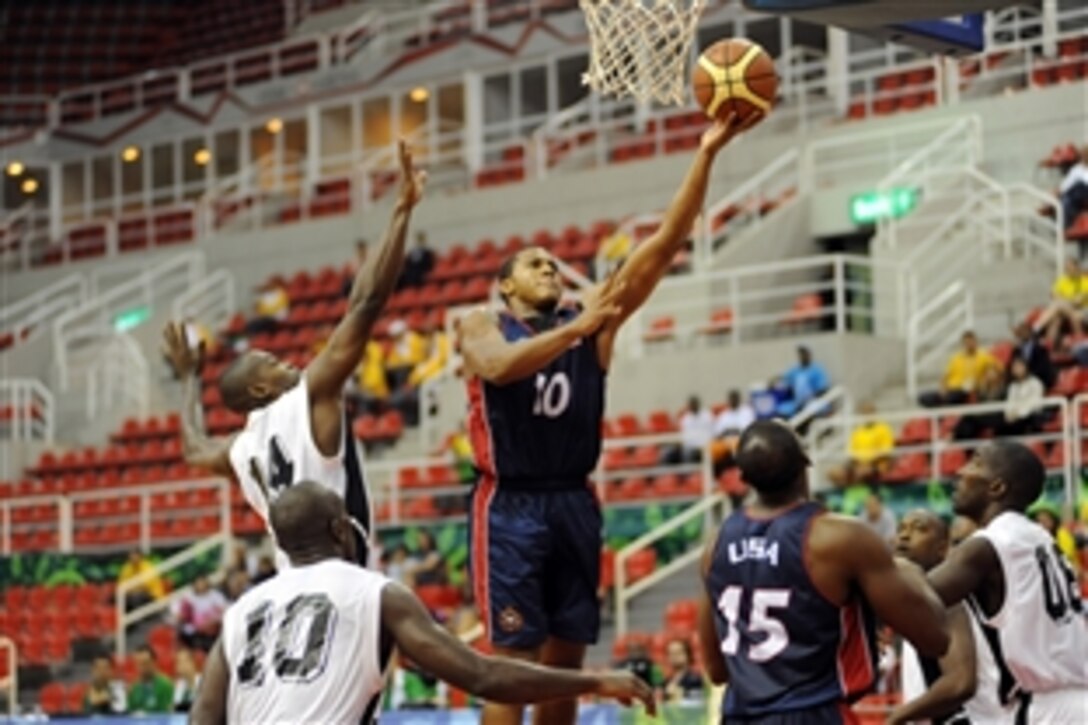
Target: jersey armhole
x=996 y=619
x=805 y=555
x=338 y=457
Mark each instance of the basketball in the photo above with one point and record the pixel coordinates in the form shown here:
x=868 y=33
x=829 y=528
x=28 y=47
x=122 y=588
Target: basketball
x=735 y=76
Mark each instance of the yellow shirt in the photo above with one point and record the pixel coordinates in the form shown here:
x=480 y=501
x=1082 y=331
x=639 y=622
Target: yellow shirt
x=371 y=373
x=1071 y=289
x=153 y=586
x=964 y=372
x=435 y=362
x=871 y=441
x=1068 y=546
x=616 y=247
x=273 y=303
x=406 y=351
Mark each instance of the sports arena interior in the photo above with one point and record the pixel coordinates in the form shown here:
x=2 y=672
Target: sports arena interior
x=231 y=164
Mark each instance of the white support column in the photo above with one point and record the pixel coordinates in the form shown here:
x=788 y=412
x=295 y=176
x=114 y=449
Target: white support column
x=1050 y=28
x=473 y=148
x=313 y=145
x=55 y=193
x=838 y=54
x=950 y=81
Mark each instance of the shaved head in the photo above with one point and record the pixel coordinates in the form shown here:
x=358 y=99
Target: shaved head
x=255 y=379
x=770 y=457
x=234 y=383
x=1020 y=469
x=309 y=519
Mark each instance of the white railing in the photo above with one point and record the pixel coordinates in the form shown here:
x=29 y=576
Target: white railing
x=708 y=509
x=118 y=378
x=64 y=514
x=10 y=682
x=126 y=619
x=31 y=413
x=22 y=318
x=211 y=301
x=87 y=327
x=935 y=330
x=941 y=453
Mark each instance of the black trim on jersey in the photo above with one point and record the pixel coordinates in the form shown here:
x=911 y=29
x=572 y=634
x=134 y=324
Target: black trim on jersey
x=385 y=654
x=1007 y=686
x=355 y=494
x=931 y=672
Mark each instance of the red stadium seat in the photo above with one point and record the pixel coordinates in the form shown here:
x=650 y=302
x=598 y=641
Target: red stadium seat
x=51 y=698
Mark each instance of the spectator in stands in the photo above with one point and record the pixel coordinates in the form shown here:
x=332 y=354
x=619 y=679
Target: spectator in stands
x=1034 y=353
x=361 y=249
x=406 y=398
x=406 y=350
x=418 y=263
x=266 y=569
x=458 y=447
x=397 y=563
x=801 y=384
x=371 y=391
x=270 y=309
x=1074 y=190
x=1022 y=400
x=639 y=662
x=696 y=433
x=1066 y=308
x=151 y=589
x=152 y=692
x=962 y=375
x=198 y=614
x=879 y=517
x=870 y=448
x=991 y=389
x=186 y=680
x=236 y=585
x=684 y=683
x=106 y=693
x=614 y=249
x=1049 y=517
x=430 y=565
x=728 y=426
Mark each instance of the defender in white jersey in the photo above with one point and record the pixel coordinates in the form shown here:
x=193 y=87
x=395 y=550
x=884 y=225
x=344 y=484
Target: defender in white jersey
x=296 y=425
x=962 y=686
x=311 y=645
x=1021 y=583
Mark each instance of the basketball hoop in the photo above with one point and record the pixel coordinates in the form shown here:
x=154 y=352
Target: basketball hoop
x=640 y=48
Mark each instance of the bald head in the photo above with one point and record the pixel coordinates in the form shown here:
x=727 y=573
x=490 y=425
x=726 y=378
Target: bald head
x=1020 y=469
x=923 y=538
x=770 y=458
x=234 y=382
x=310 y=520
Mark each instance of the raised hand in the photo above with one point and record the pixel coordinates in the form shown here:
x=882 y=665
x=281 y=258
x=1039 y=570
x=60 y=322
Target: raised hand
x=599 y=305
x=724 y=130
x=184 y=360
x=412 y=180
x=626 y=687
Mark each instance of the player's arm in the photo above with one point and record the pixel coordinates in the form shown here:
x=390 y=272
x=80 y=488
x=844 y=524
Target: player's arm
x=210 y=707
x=374 y=283
x=649 y=261
x=964 y=571
x=709 y=640
x=490 y=356
x=197 y=447
x=958 y=679
x=497 y=679
x=895 y=588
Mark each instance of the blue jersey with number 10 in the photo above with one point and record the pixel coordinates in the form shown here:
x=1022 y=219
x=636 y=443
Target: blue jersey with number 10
x=543 y=431
x=786 y=646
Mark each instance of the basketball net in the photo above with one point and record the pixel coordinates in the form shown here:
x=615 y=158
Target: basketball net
x=639 y=48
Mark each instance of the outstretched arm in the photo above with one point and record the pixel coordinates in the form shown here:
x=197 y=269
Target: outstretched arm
x=210 y=707
x=709 y=640
x=374 y=283
x=964 y=571
x=648 y=263
x=493 y=678
x=958 y=679
x=198 y=448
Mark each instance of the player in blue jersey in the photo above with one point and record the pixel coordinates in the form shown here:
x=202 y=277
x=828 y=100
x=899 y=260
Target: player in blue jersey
x=536 y=389
x=790 y=594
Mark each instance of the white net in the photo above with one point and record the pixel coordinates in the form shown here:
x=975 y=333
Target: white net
x=640 y=48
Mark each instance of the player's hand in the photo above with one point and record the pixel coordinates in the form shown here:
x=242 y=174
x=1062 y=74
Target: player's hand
x=412 y=180
x=626 y=687
x=184 y=360
x=599 y=306
x=724 y=130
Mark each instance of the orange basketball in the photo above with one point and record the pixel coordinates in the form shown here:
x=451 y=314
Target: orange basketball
x=735 y=76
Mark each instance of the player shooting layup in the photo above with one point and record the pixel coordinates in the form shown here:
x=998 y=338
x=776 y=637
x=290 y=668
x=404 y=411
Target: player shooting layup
x=296 y=427
x=536 y=391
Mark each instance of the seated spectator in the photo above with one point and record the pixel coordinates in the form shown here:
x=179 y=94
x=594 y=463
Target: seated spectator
x=105 y=694
x=638 y=662
x=266 y=569
x=991 y=389
x=728 y=426
x=270 y=309
x=406 y=350
x=418 y=263
x=458 y=447
x=152 y=692
x=802 y=384
x=1049 y=517
x=406 y=398
x=684 y=683
x=870 y=448
x=397 y=563
x=198 y=614
x=879 y=518
x=150 y=590
x=1073 y=190
x=1066 y=309
x=430 y=566
x=696 y=433
x=186 y=680
x=1035 y=354
x=371 y=389
x=962 y=375
x=614 y=249
x=1022 y=401
x=361 y=249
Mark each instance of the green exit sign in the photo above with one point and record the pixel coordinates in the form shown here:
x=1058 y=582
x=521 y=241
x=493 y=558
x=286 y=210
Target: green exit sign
x=874 y=205
x=131 y=318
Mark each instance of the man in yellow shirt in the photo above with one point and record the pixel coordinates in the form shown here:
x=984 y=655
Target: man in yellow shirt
x=152 y=588
x=406 y=350
x=1066 y=308
x=962 y=376
x=870 y=447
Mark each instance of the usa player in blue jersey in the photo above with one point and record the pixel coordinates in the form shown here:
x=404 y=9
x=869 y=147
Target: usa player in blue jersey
x=791 y=591
x=536 y=374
